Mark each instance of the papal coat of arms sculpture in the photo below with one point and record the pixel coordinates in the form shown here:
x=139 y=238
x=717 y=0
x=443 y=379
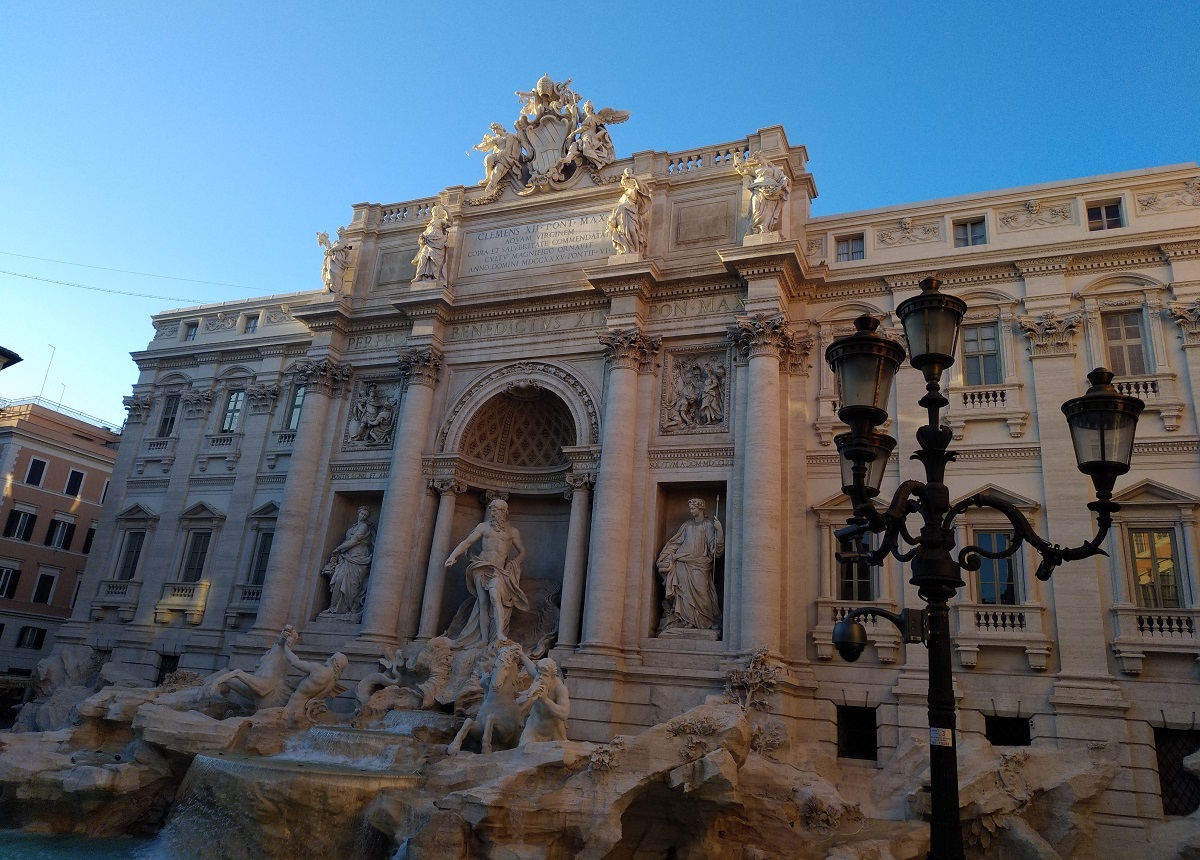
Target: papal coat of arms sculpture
x=555 y=140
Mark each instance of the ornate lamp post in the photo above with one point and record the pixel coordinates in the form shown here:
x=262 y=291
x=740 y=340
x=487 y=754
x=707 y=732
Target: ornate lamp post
x=1102 y=426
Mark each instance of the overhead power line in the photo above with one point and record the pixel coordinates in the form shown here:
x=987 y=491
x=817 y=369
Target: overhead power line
x=101 y=289
x=127 y=271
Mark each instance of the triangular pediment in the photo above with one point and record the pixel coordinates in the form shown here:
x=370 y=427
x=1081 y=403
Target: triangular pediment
x=1014 y=499
x=202 y=511
x=268 y=511
x=137 y=512
x=1153 y=493
x=839 y=502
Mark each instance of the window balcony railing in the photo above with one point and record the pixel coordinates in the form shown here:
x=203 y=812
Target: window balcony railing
x=881 y=633
x=188 y=598
x=116 y=595
x=1000 y=402
x=1164 y=631
x=991 y=625
x=244 y=604
x=1158 y=392
x=161 y=451
x=280 y=446
x=220 y=446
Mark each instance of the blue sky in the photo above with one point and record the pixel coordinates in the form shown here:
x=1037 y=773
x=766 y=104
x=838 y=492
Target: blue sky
x=210 y=141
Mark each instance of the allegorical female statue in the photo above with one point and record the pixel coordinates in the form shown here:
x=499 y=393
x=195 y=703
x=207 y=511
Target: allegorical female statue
x=349 y=566
x=627 y=223
x=686 y=564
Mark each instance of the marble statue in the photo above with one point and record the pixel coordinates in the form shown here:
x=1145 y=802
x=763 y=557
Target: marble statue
x=319 y=683
x=373 y=418
x=493 y=577
x=267 y=686
x=686 y=564
x=503 y=157
x=349 y=566
x=431 y=247
x=337 y=258
x=592 y=141
x=769 y=187
x=548 y=702
x=627 y=223
x=500 y=718
x=712 y=394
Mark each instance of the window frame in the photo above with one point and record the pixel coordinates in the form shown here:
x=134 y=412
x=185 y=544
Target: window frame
x=71 y=473
x=123 y=564
x=10 y=580
x=235 y=408
x=1103 y=218
x=192 y=569
x=43 y=575
x=970 y=239
x=250 y=323
x=60 y=538
x=260 y=556
x=1138 y=590
x=1013 y=563
x=852 y=252
x=169 y=414
x=41 y=478
x=1123 y=367
x=994 y=325
x=20 y=523
x=295 y=407
x=31 y=637
x=190 y=331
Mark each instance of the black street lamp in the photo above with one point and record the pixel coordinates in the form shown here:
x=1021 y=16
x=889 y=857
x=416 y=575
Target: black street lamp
x=1102 y=424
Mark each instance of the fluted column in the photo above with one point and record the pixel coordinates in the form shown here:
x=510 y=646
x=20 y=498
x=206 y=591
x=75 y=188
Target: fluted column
x=579 y=491
x=323 y=381
x=435 y=571
x=763 y=338
x=628 y=351
x=398 y=517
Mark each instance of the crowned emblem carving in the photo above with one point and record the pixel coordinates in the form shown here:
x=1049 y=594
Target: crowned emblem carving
x=554 y=141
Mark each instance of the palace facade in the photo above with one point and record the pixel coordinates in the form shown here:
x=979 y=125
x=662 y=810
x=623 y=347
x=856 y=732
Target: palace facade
x=489 y=342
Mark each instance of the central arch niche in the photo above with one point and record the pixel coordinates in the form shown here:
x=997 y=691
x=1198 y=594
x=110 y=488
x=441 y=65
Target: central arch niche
x=523 y=427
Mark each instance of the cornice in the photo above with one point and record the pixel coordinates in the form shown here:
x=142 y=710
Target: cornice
x=782 y=260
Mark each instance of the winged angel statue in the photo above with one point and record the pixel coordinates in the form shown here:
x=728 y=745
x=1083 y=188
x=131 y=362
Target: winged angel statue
x=553 y=142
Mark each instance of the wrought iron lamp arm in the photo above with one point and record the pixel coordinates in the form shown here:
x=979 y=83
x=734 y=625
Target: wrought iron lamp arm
x=910 y=622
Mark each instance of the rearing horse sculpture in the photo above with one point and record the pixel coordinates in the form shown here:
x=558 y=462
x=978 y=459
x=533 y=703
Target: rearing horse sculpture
x=500 y=718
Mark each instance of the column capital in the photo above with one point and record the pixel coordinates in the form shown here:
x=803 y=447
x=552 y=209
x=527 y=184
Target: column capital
x=762 y=334
x=578 y=481
x=421 y=366
x=325 y=376
x=1186 y=316
x=448 y=486
x=138 y=406
x=629 y=348
x=1051 y=333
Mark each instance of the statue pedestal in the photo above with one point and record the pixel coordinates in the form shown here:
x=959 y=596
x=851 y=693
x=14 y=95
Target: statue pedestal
x=770 y=238
x=622 y=259
x=690 y=633
x=341 y=617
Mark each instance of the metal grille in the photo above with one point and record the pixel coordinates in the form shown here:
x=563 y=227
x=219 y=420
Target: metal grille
x=1180 y=790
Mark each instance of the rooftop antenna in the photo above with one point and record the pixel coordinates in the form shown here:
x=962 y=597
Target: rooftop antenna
x=53 y=349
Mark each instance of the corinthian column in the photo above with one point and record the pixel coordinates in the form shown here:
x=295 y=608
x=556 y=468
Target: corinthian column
x=628 y=351
x=323 y=381
x=763 y=338
x=579 y=492
x=435 y=572
x=398 y=516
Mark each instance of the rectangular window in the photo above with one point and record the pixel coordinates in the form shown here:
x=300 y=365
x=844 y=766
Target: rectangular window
x=190 y=330
x=31 y=637
x=851 y=248
x=19 y=525
x=857 y=733
x=981 y=354
x=251 y=325
x=35 y=472
x=78 y=585
x=855 y=580
x=9 y=577
x=87 y=540
x=104 y=492
x=131 y=554
x=1156 y=568
x=968 y=233
x=44 y=590
x=1180 y=789
x=1126 y=345
x=1104 y=216
x=1007 y=731
x=233 y=411
x=293 y=421
x=262 y=554
x=997 y=576
x=170 y=411
x=74 y=483
x=193 y=559
x=60 y=534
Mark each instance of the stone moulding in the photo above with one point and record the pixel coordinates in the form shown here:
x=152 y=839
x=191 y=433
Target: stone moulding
x=1164 y=200
x=707 y=457
x=1036 y=213
x=909 y=233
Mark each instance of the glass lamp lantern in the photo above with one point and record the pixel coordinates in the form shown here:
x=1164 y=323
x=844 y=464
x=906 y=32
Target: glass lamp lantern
x=931 y=327
x=877 y=445
x=1103 y=422
x=864 y=364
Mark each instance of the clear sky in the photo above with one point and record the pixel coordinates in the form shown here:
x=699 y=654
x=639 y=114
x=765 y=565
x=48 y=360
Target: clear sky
x=210 y=141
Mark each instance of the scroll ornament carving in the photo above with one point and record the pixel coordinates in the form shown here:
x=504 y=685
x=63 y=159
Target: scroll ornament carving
x=761 y=334
x=324 y=375
x=275 y=316
x=627 y=224
x=1035 y=214
x=1050 y=333
x=421 y=366
x=430 y=261
x=196 y=402
x=695 y=394
x=165 y=330
x=337 y=260
x=910 y=233
x=578 y=481
x=1187 y=315
x=261 y=397
x=1163 y=201
x=769 y=189
x=629 y=348
x=553 y=141
x=221 y=322
x=138 y=406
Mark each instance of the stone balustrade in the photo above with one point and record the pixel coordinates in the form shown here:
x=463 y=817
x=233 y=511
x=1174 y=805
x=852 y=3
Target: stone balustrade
x=997 y=626
x=189 y=598
x=1164 y=631
x=117 y=595
x=881 y=633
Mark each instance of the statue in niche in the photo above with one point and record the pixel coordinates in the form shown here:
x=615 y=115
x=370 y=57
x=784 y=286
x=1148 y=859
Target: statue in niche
x=547 y=700
x=337 y=258
x=503 y=157
x=319 y=683
x=769 y=188
x=267 y=685
x=626 y=224
x=493 y=578
x=348 y=568
x=686 y=564
x=695 y=397
x=431 y=247
x=373 y=418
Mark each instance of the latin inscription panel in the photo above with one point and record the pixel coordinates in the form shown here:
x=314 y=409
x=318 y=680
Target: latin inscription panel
x=562 y=242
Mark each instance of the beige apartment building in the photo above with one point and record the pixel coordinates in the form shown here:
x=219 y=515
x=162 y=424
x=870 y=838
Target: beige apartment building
x=489 y=341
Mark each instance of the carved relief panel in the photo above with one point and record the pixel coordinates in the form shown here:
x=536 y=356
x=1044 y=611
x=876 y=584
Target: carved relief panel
x=695 y=391
x=372 y=421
